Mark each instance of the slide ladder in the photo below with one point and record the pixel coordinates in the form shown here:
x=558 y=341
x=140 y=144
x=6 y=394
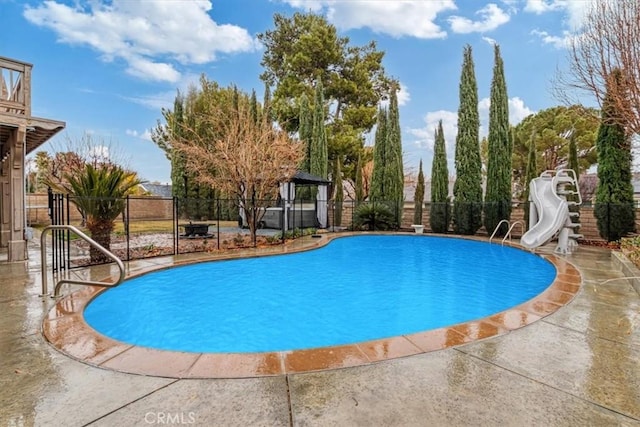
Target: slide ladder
x=551 y=197
x=567 y=188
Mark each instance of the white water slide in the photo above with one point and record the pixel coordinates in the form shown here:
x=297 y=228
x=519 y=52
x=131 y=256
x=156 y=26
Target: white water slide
x=549 y=214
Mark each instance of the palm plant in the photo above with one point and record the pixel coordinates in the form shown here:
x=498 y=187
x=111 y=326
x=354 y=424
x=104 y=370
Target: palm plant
x=99 y=194
x=374 y=216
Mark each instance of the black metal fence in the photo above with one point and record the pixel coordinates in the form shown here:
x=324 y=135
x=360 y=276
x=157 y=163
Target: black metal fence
x=156 y=226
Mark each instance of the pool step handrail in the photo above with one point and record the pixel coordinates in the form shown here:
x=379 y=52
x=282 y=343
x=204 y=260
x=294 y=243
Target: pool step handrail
x=75 y=230
x=511 y=227
x=497 y=228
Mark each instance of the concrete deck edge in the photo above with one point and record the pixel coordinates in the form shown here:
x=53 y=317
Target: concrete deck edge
x=631 y=272
x=65 y=329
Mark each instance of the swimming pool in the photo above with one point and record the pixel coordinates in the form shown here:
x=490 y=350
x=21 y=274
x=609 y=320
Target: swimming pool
x=354 y=289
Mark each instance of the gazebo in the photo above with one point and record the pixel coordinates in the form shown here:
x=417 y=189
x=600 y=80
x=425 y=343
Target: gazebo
x=288 y=195
x=20 y=134
x=297 y=215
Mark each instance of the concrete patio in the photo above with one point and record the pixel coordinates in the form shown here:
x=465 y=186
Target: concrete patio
x=579 y=366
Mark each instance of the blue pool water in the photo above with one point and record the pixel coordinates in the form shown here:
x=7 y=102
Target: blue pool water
x=354 y=289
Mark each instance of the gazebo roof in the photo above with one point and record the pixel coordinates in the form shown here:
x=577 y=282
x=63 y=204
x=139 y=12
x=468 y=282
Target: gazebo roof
x=302 y=177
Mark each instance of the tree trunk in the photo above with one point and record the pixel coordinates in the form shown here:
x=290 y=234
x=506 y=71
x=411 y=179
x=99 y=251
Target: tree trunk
x=101 y=233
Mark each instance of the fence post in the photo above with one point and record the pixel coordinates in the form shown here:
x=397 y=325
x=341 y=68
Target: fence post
x=608 y=220
x=126 y=228
x=174 y=213
x=67 y=255
x=218 y=221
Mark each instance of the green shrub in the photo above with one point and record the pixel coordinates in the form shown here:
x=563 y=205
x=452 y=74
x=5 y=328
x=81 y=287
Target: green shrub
x=440 y=217
x=291 y=234
x=374 y=216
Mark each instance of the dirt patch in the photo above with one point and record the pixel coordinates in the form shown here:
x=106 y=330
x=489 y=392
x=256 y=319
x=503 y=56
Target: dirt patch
x=600 y=244
x=152 y=245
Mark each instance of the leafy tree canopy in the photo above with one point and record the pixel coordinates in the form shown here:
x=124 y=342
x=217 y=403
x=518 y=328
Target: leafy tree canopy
x=304 y=49
x=553 y=128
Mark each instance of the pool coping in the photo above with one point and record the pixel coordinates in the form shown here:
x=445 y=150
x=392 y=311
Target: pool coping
x=65 y=329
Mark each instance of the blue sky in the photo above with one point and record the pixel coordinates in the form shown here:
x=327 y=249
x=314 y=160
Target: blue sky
x=108 y=67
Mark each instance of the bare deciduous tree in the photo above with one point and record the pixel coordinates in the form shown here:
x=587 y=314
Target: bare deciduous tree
x=608 y=40
x=247 y=158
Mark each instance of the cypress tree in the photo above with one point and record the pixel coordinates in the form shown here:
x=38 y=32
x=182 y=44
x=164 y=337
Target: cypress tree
x=439 y=214
x=338 y=192
x=467 y=191
x=178 y=185
x=266 y=104
x=497 y=205
x=377 y=190
x=305 y=131
x=235 y=99
x=614 y=209
x=253 y=103
x=394 y=170
x=359 y=180
x=531 y=173
x=418 y=198
x=319 y=158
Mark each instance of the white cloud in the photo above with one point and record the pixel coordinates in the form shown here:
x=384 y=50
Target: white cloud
x=396 y=18
x=146 y=134
x=543 y=6
x=574 y=10
x=559 y=42
x=309 y=5
x=99 y=153
x=151 y=36
x=491 y=17
x=159 y=100
x=426 y=135
x=518 y=111
x=155 y=101
x=403 y=96
x=489 y=40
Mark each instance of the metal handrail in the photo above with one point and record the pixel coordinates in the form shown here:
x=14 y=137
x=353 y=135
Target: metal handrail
x=508 y=234
x=497 y=227
x=43 y=255
x=511 y=229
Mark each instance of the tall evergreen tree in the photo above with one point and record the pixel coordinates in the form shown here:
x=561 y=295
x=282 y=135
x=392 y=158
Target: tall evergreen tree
x=467 y=191
x=319 y=158
x=418 y=198
x=338 y=193
x=394 y=170
x=359 y=180
x=178 y=172
x=439 y=215
x=254 y=106
x=497 y=206
x=184 y=186
x=531 y=173
x=306 y=130
x=377 y=190
x=266 y=104
x=235 y=99
x=614 y=208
